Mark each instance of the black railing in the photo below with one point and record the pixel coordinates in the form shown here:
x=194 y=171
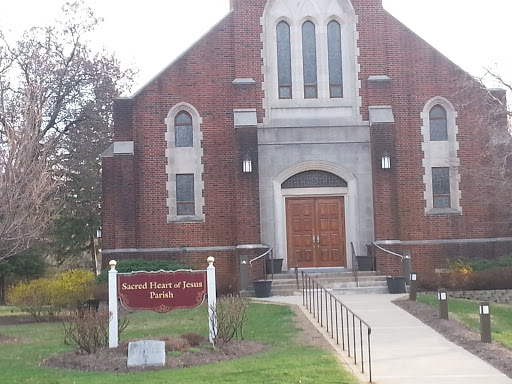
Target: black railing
x=343 y=324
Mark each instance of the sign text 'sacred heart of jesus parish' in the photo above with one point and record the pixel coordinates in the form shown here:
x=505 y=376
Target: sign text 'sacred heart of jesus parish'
x=162 y=291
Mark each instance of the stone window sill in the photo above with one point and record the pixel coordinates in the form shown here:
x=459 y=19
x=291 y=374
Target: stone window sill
x=444 y=211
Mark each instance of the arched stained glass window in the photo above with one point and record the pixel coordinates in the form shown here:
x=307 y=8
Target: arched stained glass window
x=335 y=59
x=309 y=60
x=183 y=130
x=438 y=124
x=314 y=179
x=284 y=60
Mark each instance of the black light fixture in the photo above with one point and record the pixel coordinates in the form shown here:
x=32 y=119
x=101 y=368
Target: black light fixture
x=247 y=164
x=385 y=161
x=98 y=233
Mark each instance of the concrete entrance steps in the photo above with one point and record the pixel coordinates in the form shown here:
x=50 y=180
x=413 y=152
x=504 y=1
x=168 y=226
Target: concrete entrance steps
x=284 y=284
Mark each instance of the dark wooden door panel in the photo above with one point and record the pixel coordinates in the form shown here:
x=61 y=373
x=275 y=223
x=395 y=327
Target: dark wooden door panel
x=316 y=232
x=300 y=222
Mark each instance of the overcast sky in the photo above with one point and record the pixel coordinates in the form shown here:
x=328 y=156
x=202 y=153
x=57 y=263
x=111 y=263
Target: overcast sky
x=150 y=34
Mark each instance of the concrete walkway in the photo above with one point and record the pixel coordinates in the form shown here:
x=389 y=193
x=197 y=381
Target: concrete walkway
x=404 y=350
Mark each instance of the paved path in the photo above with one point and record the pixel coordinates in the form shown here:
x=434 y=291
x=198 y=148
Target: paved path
x=406 y=351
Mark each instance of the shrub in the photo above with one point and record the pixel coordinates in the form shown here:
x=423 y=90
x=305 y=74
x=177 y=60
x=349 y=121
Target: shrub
x=135 y=265
x=452 y=280
x=496 y=278
x=485 y=264
x=87 y=328
x=175 y=343
x=51 y=295
x=72 y=288
x=33 y=297
x=231 y=316
x=194 y=339
x=460 y=266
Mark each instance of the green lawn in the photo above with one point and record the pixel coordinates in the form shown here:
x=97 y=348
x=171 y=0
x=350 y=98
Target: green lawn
x=286 y=362
x=467 y=312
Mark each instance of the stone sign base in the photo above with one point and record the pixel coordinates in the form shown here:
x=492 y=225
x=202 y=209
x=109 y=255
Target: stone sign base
x=146 y=353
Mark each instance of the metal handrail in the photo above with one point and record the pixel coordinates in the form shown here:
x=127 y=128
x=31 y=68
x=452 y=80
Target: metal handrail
x=262 y=255
x=354 y=265
x=269 y=251
x=388 y=251
x=341 y=320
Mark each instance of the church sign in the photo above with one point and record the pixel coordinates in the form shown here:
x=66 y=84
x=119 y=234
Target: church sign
x=162 y=291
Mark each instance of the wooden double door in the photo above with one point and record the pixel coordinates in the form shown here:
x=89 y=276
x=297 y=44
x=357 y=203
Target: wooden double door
x=315 y=229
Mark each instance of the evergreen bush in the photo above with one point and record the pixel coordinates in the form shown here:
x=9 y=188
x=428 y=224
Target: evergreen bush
x=135 y=265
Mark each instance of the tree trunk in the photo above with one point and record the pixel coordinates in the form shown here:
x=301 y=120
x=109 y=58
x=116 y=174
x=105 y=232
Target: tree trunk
x=2 y=290
x=94 y=256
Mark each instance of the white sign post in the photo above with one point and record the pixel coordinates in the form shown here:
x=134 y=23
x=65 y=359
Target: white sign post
x=212 y=299
x=113 y=337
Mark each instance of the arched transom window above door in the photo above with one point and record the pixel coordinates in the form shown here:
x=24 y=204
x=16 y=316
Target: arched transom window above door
x=314 y=179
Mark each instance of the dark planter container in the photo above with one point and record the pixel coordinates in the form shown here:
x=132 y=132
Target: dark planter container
x=276 y=263
x=262 y=288
x=364 y=263
x=91 y=305
x=396 y=284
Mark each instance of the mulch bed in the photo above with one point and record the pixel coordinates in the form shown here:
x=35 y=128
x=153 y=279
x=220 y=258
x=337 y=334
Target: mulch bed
x=495 y=354
x=114 y=360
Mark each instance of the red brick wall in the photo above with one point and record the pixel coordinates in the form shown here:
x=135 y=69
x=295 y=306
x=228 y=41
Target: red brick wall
x=137 y=215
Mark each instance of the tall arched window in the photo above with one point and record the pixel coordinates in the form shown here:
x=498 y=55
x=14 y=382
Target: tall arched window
x=440 y=160
x=183 y=130
x=184 y=168
x=309 y=60
x=335 y=65
x=284 y=60
x=438 y=124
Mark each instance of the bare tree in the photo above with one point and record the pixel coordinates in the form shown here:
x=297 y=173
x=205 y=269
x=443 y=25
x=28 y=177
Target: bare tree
x=492 y=130
x=50 y=84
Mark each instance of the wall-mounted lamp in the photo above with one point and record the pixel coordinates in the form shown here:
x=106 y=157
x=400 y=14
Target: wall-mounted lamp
x=247 y=164
x=98 y=233
x=385 y=161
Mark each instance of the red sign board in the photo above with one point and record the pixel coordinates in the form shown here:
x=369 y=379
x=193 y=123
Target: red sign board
x=162 y=291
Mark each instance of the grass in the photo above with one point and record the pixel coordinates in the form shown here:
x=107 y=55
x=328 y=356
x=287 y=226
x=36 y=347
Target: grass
x=467 y=312
x=288 y=361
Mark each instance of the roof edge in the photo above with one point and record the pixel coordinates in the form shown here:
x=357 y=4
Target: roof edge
x=141 y=89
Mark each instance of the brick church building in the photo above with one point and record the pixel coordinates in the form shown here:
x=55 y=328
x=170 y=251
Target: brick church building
x=308 y=127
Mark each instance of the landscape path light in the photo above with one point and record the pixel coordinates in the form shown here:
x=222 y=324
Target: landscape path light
x=413 y=288
x=485 y=322
x=442 y=296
